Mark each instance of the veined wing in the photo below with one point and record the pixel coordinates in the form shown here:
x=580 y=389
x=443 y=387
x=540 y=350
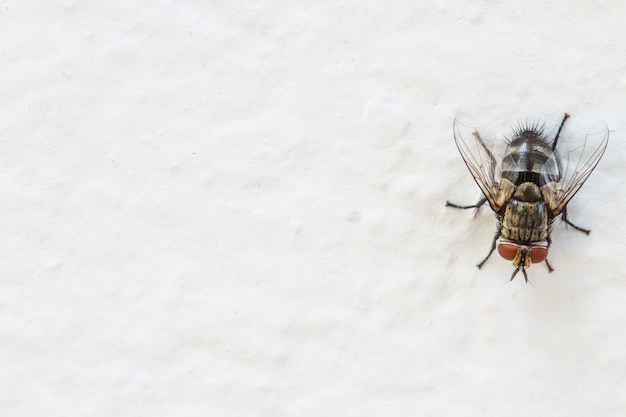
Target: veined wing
x=578 y=162
x=479 y=158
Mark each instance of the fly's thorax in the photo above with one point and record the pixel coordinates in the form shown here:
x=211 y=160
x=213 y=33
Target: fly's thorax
x=530 y=158
x=525 y=221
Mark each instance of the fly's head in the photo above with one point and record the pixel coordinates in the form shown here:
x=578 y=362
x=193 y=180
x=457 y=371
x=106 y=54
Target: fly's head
x=522 y=256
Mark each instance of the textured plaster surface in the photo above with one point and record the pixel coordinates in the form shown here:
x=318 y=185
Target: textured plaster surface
x=237 y=209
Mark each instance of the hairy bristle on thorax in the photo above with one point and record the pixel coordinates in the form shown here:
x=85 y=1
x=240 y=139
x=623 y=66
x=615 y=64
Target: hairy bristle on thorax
x=528 y=128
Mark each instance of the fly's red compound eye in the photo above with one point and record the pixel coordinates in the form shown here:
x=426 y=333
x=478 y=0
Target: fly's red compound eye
x=538 y=254
x=507 y=250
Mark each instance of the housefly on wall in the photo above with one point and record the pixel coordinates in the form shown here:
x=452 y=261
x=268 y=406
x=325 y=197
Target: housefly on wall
x=530 y=185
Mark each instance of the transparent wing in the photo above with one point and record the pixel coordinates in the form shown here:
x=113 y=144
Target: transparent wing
x=578 y=162
x=479 y=158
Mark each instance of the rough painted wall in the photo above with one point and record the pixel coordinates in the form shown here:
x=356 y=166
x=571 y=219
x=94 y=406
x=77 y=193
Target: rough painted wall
x=237 y=209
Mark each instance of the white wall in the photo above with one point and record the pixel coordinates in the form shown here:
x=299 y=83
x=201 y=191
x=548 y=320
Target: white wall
x=237 y=209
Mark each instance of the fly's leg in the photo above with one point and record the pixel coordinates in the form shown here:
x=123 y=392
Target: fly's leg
x=549 y=240
x=566 y=220
x=492 y=161
x=493 y=247
x=475 y=206
x=556 y=138
x=482 y=143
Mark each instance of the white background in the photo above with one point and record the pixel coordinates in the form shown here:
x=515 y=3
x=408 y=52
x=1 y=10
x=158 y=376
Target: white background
x=237 y=209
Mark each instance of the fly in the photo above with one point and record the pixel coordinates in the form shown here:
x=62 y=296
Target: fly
x=530 y=187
